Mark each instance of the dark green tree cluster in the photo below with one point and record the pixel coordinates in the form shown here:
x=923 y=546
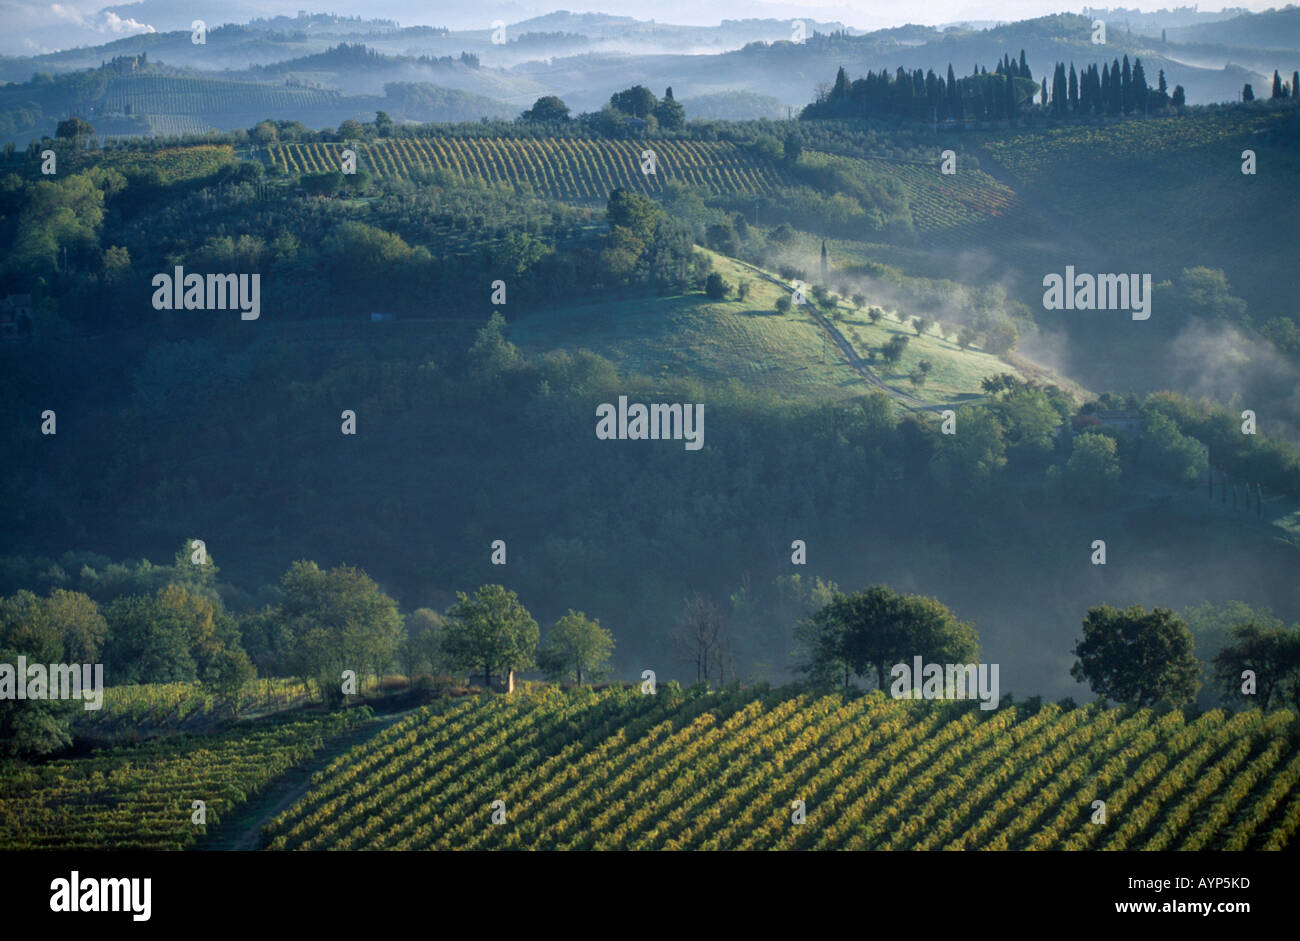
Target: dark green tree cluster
x=1117 y=89
x=923 y=95
x=861 y=635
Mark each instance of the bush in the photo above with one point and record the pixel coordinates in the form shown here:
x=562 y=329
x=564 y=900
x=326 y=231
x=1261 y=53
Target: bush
x=716 y=288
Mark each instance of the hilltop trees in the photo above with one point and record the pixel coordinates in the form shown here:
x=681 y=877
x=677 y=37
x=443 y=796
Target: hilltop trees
x=1136 y=657
x=339 y=620
x=865 y=633
x=927 y=96
x=702 y=639
x=637 y=101
x=489 y=633
x=576 y=647
x=1271 y=653
x=548 y=108
x=669 y=112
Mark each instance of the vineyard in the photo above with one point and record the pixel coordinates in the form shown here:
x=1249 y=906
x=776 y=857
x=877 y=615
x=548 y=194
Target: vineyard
x=168 y=165
x=133 y=709
x=140 y=796
x=1167 y=177
x=621 y=770
x=185 y=95
x=559 y=168
x=945 y=206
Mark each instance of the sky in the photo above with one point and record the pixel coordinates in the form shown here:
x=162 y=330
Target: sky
x=32 y=26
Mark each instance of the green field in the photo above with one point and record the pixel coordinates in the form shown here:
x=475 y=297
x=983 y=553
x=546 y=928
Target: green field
x=622 y=770
x=558 y=168
x=748 y=341
x=140 y=796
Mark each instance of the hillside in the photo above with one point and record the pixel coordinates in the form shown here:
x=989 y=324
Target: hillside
x=622 y=770
x=793 y=355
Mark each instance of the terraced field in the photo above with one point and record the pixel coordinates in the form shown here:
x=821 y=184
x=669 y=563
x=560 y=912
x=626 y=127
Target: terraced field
x=622 y=770
x=559 y=168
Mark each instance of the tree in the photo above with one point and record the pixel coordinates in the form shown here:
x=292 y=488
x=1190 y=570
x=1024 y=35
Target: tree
x=715 y=287
x=1277 y=85
x=701 y=638
x=867 y=632
x=874 y=314
x=422 y=644
x=1093 y=470
x=893 y=350
x=1171 y=453
x=576 y=646
x=920 y=324
x=339 y=620
x=76 y=619
x=637 y=101
x=227 y=671
x=783 y=304
x=491 y=353
x=965 y=337
x=1271 y=652
x=490 y=633
x=631 y=211
x=147 y=643
x=1000 y=338
x=793 y=148
x=76 y=129
x=1247 y=93
x=548 y=108
x=1180 y=97
x=669 y=112
x=1136 y=657
x=383 y=124
x=968 y=461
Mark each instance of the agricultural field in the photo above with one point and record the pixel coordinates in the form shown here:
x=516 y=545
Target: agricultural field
x=945 y=208
x=1164 y=178
x=200 y=95
x=622 y=770
x=167 y=165
x=134 y=709
x=558 y=168
x=749 y=342
x=139 y=796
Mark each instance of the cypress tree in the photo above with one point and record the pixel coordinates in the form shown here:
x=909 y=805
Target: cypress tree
x=1247 y=93
x=840 y=91
x=1058 y=89
x=1073 y=94
x=1295 y=83
x=954 y=96
x=1277 y=85
x=1141 y=91
x=1127 y=98
x=1024 y=66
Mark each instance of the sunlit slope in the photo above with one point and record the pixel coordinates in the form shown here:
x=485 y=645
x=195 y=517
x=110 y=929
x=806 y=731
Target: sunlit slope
x=792 y=355
x=623 y=770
